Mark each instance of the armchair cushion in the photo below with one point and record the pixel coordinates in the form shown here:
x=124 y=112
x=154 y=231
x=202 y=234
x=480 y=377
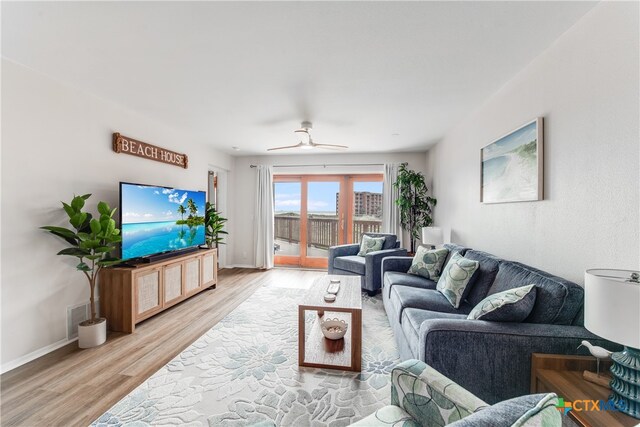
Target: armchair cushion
x=428 y=263
x=428 y=396
x=390 y=240
x=370 y=244
x=530 y=410
x=352 y=263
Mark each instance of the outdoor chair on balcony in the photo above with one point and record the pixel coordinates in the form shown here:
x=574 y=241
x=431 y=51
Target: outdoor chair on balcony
x=344 y=260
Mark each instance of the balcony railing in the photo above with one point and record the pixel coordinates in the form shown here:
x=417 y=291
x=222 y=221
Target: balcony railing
x=321 y=232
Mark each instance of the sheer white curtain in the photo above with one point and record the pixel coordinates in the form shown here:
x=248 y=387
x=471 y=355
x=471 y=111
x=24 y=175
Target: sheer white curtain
x=264 y=217
x=390 y=212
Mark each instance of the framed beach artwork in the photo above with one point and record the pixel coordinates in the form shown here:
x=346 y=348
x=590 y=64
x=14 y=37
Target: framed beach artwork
x=511 y=169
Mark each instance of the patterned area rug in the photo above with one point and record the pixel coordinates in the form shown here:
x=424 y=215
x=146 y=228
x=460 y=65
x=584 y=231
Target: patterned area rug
x=245 y=370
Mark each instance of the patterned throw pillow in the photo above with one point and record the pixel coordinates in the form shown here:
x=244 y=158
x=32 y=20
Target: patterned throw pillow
x=428 y=263
x=370 y=244
x=455 y=278
x=512 y=305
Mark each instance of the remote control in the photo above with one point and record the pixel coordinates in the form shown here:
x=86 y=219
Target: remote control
x=333 y=288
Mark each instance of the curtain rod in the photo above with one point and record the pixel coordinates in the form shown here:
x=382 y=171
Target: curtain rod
x=323 y=165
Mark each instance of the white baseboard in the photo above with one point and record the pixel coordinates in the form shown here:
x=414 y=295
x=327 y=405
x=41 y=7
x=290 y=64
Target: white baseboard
x=240 y=266
x=6 y=367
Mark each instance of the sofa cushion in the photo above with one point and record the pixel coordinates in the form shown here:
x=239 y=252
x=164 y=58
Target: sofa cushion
x=352 y=263
x=455 y=277
x=484 y=277
x=512 y=305
x=403 y=297
x=370 y=244
x=428 y=263
x=557 y=300
x=390 y=240
x=393 y=278
x=453 y=248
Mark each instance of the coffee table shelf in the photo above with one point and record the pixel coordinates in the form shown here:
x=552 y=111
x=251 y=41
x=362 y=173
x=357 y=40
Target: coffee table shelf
x=317 y=351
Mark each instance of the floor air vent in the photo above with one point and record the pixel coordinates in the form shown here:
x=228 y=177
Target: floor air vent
x=76 y=314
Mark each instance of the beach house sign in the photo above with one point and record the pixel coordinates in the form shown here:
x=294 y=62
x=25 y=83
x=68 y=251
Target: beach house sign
x=126 y=145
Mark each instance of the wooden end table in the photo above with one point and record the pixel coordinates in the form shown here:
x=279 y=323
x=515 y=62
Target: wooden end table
x=316 y=351
x=562 y=374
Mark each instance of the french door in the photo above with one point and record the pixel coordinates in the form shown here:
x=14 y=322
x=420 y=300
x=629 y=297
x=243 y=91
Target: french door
x=315 y=212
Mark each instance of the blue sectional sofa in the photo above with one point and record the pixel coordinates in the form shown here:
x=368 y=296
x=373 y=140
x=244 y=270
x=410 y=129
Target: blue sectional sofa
x=490 y=359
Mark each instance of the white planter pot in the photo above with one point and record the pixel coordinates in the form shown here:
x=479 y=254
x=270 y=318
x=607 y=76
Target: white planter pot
x=92 y=335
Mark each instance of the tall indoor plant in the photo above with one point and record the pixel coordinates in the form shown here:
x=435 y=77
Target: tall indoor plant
x=415 y=204
x=92 y=241
x=214 y=224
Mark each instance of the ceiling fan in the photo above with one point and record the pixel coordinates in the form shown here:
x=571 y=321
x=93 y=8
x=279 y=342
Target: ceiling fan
x=307 y=142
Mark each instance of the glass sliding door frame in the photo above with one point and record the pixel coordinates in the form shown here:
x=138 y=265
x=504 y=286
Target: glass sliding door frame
x=345 y=213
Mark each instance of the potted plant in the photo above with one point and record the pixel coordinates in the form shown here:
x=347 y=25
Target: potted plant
x=90 y=240
x=214 y=225
x=414 y=203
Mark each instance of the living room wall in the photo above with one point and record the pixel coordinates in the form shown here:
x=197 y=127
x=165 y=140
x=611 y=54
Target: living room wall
x=586 y=87
x=56 y=142
x=243 y=187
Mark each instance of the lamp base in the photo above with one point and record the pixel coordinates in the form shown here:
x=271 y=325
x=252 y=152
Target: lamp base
x=625 y=385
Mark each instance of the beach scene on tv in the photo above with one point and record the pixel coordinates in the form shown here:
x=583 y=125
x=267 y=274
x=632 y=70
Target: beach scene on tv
x=158 y=219
x=510 y=167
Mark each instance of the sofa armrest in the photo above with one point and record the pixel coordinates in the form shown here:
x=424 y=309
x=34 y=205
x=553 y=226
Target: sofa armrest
x=341 y=250
x=396 y=263
x=430 y=397
x=499 y=352
x=373 y=263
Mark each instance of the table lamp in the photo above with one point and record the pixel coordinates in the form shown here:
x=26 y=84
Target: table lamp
x=612 y=311
x=432 y=236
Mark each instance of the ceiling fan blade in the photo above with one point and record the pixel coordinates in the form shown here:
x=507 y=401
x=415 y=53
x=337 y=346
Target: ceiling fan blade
x=330 y=146
x=285 y=147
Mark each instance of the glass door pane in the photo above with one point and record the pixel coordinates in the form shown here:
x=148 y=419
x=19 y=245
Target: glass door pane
x=367 y=209
x=287 y=206
x=323 y=226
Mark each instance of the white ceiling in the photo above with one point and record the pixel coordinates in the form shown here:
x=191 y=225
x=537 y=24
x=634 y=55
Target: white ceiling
x=247 y=73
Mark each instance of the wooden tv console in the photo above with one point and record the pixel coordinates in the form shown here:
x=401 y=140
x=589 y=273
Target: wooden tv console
x=130 y=295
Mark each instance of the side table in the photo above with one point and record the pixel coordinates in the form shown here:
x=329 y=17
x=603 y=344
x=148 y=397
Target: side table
x=562 y=374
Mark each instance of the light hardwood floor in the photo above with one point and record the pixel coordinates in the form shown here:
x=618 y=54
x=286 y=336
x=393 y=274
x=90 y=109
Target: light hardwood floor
x=72 y=387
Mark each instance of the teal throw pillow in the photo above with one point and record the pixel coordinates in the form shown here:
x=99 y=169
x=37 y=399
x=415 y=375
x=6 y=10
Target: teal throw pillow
x=428 y=263
x=455 y=277
x=512 y=305
x=370 y=244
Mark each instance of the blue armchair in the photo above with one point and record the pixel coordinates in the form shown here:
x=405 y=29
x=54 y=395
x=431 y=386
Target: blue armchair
x=344 y=260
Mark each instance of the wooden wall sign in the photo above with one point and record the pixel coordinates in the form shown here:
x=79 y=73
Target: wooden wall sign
x=124 y=144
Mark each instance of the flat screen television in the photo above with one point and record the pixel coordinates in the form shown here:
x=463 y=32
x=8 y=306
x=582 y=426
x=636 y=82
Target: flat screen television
x=158 y=220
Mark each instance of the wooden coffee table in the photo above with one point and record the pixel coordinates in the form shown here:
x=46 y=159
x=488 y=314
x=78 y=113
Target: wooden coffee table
x=319 y=352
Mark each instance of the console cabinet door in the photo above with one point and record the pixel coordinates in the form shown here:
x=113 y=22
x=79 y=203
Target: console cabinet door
x=147 y=292
x=209 y=269
x=192 y=269
x=173 y=283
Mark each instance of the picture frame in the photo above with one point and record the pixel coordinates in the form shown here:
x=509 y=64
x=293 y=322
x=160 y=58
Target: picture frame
x=512 y=166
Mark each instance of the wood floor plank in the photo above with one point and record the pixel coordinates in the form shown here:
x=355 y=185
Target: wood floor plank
x=70 y=387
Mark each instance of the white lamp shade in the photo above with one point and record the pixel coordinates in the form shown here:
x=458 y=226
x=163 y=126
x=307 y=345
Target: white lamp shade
x=612 y=306
x=432 y=236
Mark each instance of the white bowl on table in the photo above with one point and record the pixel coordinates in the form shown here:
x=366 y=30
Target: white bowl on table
x=334 y=329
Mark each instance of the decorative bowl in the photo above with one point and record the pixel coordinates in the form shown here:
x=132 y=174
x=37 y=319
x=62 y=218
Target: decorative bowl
x=333 y=329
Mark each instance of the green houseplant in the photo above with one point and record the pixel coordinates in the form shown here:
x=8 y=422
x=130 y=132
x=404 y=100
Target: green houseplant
x=415 y=204
x=214 y=224
x=91 y=241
